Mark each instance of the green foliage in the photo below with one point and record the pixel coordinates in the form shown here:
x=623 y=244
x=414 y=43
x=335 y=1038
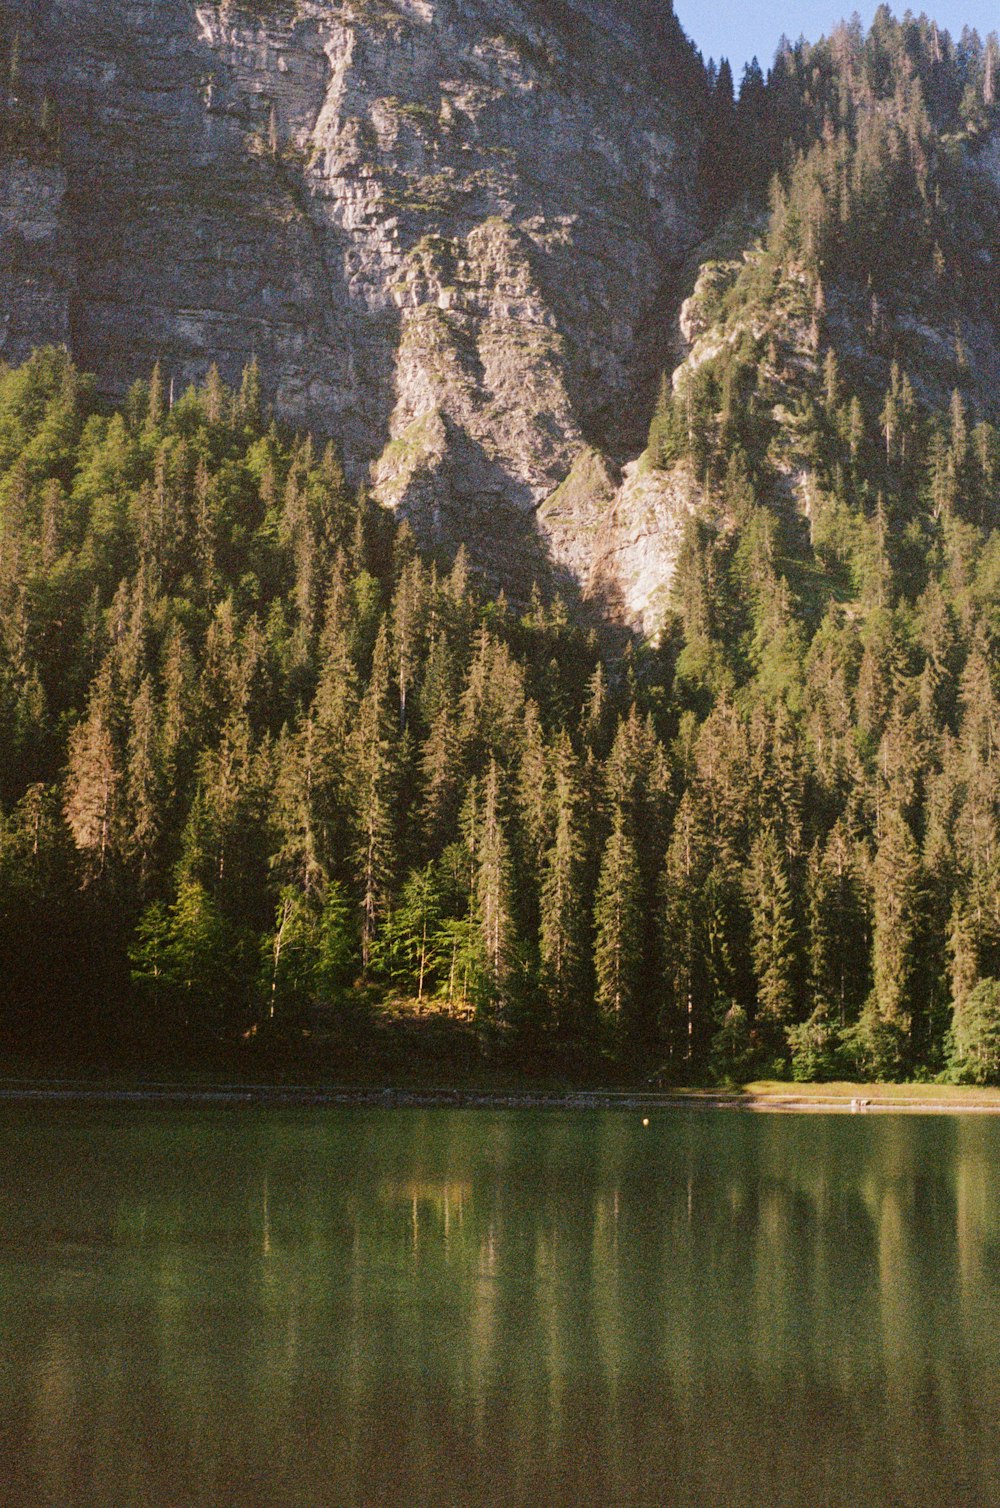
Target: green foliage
x=815 y=1048
x=731 y=1057
x=310 y=957
x=617 y=948
x=192 y=968
x=976 y=1042
x=260 y=759
x=773 y=935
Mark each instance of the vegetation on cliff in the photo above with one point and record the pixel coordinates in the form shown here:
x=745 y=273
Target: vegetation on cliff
x=262 y=765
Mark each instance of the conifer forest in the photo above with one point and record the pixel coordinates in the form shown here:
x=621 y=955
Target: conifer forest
x=276 y=778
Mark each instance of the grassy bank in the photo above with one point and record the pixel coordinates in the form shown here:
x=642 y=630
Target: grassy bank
x=774 y=1093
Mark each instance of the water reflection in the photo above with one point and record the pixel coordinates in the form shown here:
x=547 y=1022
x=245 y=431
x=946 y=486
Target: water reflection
x=396 y=1307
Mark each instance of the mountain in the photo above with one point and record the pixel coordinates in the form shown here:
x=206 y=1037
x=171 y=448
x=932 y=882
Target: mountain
x=446 y=231
x=269 y=766
x=872 y=276
x=456 y=238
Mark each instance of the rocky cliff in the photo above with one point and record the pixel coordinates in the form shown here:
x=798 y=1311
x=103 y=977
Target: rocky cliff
x=37 y=269
x=447 y=229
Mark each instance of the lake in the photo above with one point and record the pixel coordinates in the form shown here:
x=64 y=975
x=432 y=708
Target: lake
x=346 y=1306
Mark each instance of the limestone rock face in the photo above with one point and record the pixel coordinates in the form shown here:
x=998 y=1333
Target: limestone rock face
x=442 y=226
x=37 y=270
x=640 y=541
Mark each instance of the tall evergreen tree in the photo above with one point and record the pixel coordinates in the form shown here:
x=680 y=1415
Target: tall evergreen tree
x=617 y=928
x=773 y=928
x=373 y=778
x=493 y=901
x=562 y=932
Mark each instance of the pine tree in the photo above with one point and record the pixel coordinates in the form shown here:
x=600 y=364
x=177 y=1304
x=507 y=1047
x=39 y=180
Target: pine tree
x=93 y=801
x=695 y=953
x=535 y=797
x=838 y=927
x=143 y=783
x=373 y=781
x=408 y=615
x=897 y=881
x=288 y=961
x=184 y=958
x=214 y=396
x=617 y=928
x=562 y=936
x=773 y=930
x=179 y=711
x=977 y=1034
x=493 y=900
x=440 y=766
x=155 y=402
x=420 y=912
x=250 y=403
x=963 y=954
x=298 y=762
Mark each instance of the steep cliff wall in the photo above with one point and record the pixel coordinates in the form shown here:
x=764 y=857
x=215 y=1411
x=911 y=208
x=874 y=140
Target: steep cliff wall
x=796 y=344
x=37 y=267
x=442 y=226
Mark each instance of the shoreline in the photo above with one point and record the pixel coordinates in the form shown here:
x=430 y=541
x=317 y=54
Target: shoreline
x=866 y=1101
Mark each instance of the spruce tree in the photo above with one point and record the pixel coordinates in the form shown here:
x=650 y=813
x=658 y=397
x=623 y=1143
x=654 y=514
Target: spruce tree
x=494 y=902
x=618 y=928
x=774 y=935
x=897 y=882
x=93 y=792
x=562 y=933
x=372 y=766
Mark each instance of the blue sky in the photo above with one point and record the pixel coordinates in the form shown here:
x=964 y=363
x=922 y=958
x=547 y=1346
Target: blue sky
x=739 y=29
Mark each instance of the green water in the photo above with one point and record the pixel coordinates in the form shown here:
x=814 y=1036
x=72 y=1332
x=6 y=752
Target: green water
x=337 y=1307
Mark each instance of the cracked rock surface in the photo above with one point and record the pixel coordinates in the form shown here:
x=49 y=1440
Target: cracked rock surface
x=443 y=227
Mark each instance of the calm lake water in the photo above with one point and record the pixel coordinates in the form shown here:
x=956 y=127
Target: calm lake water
x=403 y=1307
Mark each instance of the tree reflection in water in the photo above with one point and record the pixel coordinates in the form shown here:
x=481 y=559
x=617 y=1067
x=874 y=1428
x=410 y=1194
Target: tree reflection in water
x=256 y=1306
